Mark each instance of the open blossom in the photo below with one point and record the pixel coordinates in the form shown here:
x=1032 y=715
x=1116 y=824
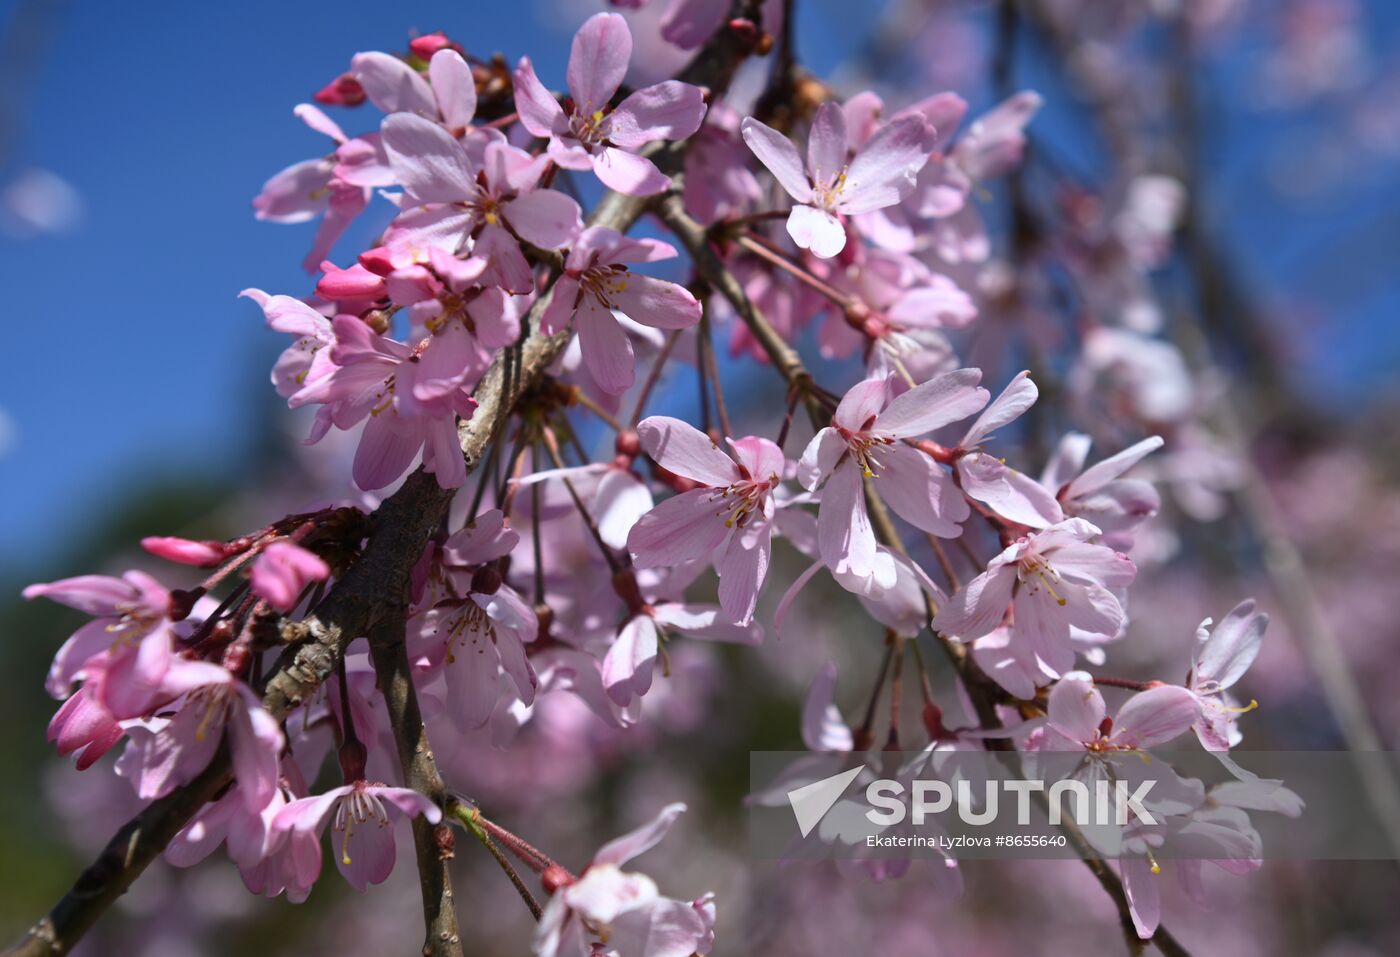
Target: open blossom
x=479 y=631
x=1078 y=718
x=306 y=359
x=337 y=186
x=130 y=629
x=1054 y=580
x=594 y=135
x=166 y=753
x=1100 y=494
x=360 y=815
x=866 y=439
x=595 y=282
x=629 y=664
x=1223 y=655
x=495 y=200
x=617 y=913
x=412 y=397
x=728 y=518
x=836 y=179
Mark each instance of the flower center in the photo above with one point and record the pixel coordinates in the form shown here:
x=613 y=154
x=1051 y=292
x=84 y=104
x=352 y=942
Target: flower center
x=1035 y=573
x=604 y=282
x=357 y=808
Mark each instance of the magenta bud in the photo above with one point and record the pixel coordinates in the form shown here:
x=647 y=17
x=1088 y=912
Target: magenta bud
x=357 y=282
x=425 y=46
x=344 y=90
x=554 y=878
x=185 y=551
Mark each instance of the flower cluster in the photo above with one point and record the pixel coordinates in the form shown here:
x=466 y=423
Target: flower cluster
x=490 y=306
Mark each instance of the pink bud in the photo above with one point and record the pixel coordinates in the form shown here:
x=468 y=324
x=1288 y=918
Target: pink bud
x=425 y=46
x=185 y=551
x=281 y=572
x=379 y=260
x=357 y=282
x=553 y=878
x=344 y=90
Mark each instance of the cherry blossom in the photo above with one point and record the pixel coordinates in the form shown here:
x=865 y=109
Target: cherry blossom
x=866 y=440
x=836 y=180
x=594 y=135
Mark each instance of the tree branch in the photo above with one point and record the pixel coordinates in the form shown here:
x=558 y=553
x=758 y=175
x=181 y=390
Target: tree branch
x=433 y=843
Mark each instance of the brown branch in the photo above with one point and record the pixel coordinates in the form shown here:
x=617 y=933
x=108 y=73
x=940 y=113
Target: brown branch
x=432 y=843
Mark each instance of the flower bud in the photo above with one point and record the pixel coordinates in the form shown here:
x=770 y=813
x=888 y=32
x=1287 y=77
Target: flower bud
x=344 y=90
x=204 y=554
x=353 y=758
x=357 y=282
x=425 y=46
x=554 y=878
x=629 y=443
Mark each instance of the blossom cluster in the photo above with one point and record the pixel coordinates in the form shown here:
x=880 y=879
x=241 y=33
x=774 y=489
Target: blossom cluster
x=564 y=576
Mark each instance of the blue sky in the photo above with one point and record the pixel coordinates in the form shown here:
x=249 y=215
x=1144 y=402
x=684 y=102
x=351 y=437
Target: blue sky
x=127 y=352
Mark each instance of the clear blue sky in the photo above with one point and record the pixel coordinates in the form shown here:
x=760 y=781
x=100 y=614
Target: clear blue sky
x=126 y=351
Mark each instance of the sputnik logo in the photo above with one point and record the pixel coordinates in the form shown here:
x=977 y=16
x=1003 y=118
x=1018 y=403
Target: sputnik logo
x=811 y=801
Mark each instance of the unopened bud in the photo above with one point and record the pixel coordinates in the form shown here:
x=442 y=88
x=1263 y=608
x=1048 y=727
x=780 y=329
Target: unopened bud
x=353 y=758
x=629 y=443
x=425 y=46
x=182 y=602
x=184 y=550
x=553 y=878
x=344 y=90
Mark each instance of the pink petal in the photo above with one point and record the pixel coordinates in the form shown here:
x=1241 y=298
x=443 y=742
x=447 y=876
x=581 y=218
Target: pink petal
x=627 y=667
x=598 y=61
x=823 y=728
x=689 y=23
x=979 y=606
x=667 y=111
x=1018 y=396
x=775 y=151
x=427 y=161
x=545 y=218
x=319 y=121
x=742 y=570
x=920 y=491
x=621 y=850
x=387 y=447
x=1144 y=897
x=508 y=266
x=1075 y=708
x=933 y=404
x=607 y=350
x=367 y=855
x=1155 y=716
x=539 y=110
x=453 y=88
x=1232 y=647
x=393 y=85
x=684 y=528
x=629 y=173
x=884 y=169
x=657 y=303
x=826 y=144
x=843 y=526
x=1097 y=476
x=816 y=230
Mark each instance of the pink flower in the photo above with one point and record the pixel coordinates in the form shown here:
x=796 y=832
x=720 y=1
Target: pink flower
x=282 y=570
x=611 y=911
x=593 y=134
x=131 y=630
x=362 y=814
x=494 y=201
x=411 y=396
x=1077 y=717
x=1099 y=493
x=83 y=725
x=337 y=186
x=1055 y=581
x=837 y=180
x=449 y=291
x=1222 y=657
x=306 y=359
x=866 y=439
x=166 y=753
x=1012 y=495
x=728 y=519
x=479 y=632
x=595 y=283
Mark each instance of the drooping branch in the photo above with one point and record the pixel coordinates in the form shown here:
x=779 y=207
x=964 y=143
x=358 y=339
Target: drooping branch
x=981 y=689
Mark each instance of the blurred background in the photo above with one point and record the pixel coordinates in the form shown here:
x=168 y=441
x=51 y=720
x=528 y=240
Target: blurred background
x=135 y=401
